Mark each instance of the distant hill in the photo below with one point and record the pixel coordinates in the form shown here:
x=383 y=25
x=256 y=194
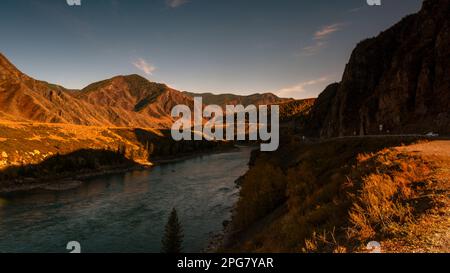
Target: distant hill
x=134 y=94
x=126 y=101
x=296 y=109
x=230 y=99
x=399 y=79
x=23 y=98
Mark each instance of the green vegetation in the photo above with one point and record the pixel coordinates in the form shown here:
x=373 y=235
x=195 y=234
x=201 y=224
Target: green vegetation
x=173 y=236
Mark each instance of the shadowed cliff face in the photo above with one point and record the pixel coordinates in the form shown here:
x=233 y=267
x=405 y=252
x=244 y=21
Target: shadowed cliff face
x=319 y=116
x=400 y=80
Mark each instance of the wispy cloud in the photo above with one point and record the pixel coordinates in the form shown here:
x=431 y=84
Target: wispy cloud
x=326 y=31
x=305 y=89
x=313 y=49
x=355 y=9
x=320 y=38
x=176 y=3
x=144 y=66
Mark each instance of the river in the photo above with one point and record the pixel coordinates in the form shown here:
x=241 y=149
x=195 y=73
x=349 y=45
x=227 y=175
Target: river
x=126 y=213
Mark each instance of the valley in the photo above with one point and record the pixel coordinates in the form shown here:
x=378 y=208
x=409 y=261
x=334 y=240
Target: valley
x=111 y=125
x=367 y=160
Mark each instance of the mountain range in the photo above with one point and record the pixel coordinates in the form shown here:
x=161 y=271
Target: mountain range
x=395 y=83
x=122 y=101
x=231 y=99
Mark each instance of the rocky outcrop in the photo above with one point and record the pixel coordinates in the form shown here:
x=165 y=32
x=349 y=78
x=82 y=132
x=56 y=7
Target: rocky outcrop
x=395 y=83
x=319 y=115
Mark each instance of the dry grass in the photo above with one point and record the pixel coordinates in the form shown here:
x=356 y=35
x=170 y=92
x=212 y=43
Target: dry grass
x=336 y=196
x=31 y=143
x=295 y=109
x=389 y=183
x=33 y=152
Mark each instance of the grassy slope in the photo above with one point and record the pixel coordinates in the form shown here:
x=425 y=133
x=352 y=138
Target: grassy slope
x=29 y=143
x=38 y=152
x=336 y=196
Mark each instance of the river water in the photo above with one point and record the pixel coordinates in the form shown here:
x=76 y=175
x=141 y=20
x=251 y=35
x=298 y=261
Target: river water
x=127 y=212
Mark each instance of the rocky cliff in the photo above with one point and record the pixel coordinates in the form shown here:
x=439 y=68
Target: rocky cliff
x=395 y=83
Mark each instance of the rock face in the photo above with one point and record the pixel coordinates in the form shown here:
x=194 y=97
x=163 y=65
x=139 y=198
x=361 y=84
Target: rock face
x=396 y=83
x=319 y=114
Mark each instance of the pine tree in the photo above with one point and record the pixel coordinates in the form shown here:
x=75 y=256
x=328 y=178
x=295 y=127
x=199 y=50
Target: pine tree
x=173 y=236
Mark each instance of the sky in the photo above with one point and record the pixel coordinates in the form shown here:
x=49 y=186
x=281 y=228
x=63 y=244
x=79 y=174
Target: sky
x=292 y=48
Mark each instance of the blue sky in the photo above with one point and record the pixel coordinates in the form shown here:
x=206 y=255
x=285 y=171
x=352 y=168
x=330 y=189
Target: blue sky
x=293 y=48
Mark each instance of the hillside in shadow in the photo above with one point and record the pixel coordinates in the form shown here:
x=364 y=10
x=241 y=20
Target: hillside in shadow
x=59 y=167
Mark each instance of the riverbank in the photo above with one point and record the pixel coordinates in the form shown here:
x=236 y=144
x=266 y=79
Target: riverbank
x=62 y=182
x=218 y=240
x=329 y=197
x=70 y=180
